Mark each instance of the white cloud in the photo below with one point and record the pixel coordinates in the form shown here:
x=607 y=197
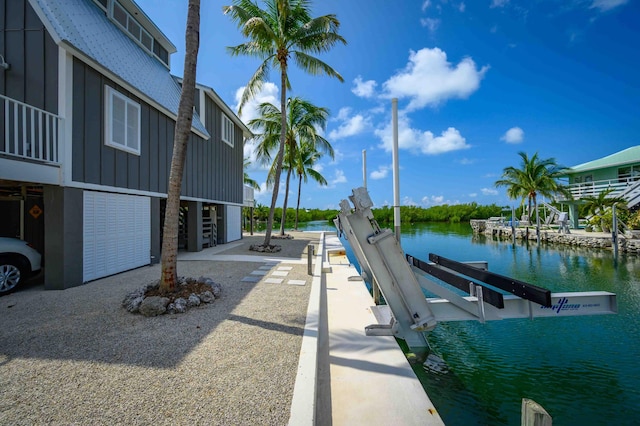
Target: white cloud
x=466 y=161
x=418 y=141
x=462 y=7
x=381 y=173
x=605 y=5
x=339 y=177
x=269 y=93
x=364 y=89
x=408 y=201
x=429 y=79
x=513 y=135
x=473 y=195
x=489 y=191
x=433 y=200
x=498 y=3
x=426 y=4
x=350 y=127
x=430 y=23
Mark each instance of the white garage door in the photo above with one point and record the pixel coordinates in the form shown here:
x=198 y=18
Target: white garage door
x=117 y=233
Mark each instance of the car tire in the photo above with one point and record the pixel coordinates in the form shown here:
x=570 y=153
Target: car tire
x=13 y=271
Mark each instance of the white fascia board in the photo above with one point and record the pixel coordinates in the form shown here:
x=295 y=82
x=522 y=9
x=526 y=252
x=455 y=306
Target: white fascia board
x=228 y=111
x=43 y=18
x=86 y=59
x=27 y=171
x=119 y=190
x=65 y=111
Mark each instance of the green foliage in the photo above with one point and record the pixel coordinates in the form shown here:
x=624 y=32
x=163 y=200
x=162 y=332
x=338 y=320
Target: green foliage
x=633 y=220
x=444 y=213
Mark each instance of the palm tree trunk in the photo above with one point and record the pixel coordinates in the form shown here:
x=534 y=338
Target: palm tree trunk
x=286 y=199
x=283 y=125
x=168 y=279
x=298 y=204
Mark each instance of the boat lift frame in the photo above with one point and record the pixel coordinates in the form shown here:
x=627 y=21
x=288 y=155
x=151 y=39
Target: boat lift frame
x=408 y=314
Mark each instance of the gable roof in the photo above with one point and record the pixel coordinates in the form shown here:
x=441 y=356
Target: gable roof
x=82 y=27
x=626 y=156
x=227 y=110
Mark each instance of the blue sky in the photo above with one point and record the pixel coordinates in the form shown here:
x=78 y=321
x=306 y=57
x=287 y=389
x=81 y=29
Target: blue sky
x=476 y=81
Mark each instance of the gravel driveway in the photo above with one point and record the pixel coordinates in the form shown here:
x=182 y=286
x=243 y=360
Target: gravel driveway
x=76 y=357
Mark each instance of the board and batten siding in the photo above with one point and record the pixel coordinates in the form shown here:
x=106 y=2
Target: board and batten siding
x=226 y=175
x=32 y=54
x=96 y=163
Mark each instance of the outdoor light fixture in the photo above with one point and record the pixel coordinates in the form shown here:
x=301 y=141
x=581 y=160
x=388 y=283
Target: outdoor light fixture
x=3 y=63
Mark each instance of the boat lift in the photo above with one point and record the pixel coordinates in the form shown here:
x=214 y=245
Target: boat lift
x=408 y=314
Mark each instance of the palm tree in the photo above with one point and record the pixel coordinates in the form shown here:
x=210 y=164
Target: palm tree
x=305 y=160
x=600 y=205
x=283 y=30
x=247 y=179
x=168 y=279
x=304 y=119
x=534 y=177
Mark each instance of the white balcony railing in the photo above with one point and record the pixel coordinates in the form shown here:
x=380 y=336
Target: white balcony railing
x=29 y=132
x=592 y=189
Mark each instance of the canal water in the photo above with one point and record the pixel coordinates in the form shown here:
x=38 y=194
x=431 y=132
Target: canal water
x=582 y=370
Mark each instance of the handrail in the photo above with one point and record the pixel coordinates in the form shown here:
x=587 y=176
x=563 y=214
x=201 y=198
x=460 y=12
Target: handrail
x=29 y=132
x=592 y=189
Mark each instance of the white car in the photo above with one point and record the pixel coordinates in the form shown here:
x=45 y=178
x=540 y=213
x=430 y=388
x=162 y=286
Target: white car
x=18 y=262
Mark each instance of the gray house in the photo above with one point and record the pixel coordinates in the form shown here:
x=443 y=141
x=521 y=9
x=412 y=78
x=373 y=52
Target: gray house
x=87 y=116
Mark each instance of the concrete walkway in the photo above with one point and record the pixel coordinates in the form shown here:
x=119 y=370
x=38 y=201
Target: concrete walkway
x=361 y=380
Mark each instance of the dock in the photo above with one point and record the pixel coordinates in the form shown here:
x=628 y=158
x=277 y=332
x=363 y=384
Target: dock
x=345 y=377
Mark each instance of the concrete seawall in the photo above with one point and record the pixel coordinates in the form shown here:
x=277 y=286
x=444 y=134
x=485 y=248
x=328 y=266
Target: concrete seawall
x=577 y=237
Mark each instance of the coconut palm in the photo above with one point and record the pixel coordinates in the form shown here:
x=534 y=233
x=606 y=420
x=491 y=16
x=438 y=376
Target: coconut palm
x=283 y=30
x=305 y=160
x=304 y=119
x=168 y=279
x=534 y=177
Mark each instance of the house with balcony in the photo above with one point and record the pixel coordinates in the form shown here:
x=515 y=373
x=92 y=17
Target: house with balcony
x=619 y=172
x=88 y=110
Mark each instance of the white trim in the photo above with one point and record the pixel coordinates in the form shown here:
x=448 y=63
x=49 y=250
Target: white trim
x=27 y=171
x=109 y=95
x=106 y=188
x=227 y=126
x=203 y=105
x=246 y=132
x=65 y=111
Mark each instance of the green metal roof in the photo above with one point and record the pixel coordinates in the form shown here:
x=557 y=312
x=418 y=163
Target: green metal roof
x=626 y=156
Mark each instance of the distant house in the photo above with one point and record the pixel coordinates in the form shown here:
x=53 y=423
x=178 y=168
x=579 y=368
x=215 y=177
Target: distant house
x=619 y=172
x=87 y=116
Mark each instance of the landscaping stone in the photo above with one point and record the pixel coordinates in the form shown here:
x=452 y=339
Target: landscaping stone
x=153 y=306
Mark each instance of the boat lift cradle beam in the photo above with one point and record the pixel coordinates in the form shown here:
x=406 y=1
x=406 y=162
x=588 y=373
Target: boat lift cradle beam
x=409 y=314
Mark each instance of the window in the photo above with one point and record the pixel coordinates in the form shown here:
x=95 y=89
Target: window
x=137 y=32
x=227 y=130
x=629 y=173
x=122 y=122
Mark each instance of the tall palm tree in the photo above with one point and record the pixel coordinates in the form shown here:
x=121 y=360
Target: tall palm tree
x=305 y=160
x=168 y=279
x=534 y=177
x=283 y=30
x=304 y=119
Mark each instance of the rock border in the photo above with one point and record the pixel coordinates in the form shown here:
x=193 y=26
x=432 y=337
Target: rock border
x=137 y=302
